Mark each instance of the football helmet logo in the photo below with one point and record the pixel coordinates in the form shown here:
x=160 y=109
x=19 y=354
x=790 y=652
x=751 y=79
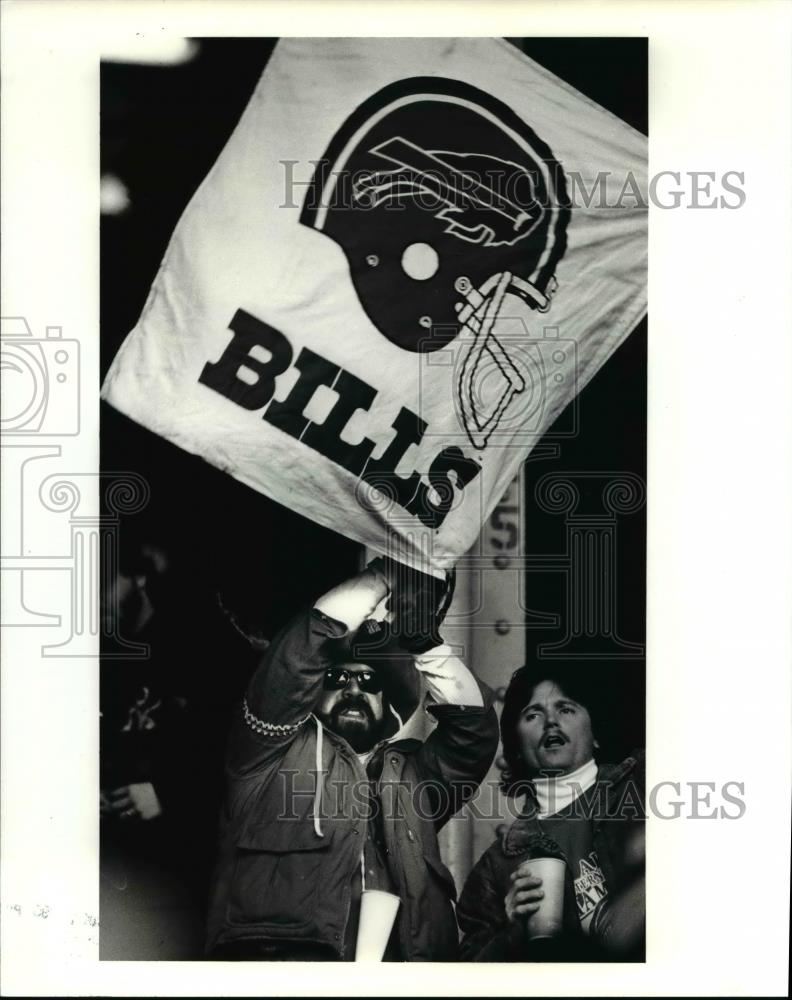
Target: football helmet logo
x=444 y=201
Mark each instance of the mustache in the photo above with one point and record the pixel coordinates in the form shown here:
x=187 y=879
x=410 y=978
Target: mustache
x=354 y=702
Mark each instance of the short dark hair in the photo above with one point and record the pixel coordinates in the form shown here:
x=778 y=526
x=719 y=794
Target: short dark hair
x=611 y=692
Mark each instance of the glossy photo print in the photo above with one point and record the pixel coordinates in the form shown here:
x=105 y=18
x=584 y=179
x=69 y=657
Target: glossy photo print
x=379 y=586
x=374 y=368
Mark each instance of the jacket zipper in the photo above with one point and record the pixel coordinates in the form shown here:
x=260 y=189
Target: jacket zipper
x=399 y=876
x=361 y=775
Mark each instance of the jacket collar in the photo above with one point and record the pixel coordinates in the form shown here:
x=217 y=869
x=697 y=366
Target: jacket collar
x=516 y=838
x=403 y=735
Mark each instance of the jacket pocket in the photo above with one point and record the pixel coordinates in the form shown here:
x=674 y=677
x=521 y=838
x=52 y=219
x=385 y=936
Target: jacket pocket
x=276 y=875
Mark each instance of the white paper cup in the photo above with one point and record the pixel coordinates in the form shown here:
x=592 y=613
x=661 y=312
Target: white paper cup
x=548 y=920
x=145 y=799
x=377 y=913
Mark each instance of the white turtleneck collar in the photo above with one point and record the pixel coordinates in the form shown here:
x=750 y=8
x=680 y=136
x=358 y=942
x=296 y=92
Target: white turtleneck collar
x=555 y=794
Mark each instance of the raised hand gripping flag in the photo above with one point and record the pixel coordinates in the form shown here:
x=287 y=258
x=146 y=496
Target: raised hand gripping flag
x=409 y=258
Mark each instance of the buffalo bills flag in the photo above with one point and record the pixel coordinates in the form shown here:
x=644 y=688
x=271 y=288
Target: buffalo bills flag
x=408 y=259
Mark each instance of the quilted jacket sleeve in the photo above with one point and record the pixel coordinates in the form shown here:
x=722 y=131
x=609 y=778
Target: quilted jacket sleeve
x=286 y=686
x=481 y=913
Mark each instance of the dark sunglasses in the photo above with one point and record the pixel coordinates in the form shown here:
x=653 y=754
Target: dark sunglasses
x=336 y=678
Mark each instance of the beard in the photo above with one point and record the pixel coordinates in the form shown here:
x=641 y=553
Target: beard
x=361 y=732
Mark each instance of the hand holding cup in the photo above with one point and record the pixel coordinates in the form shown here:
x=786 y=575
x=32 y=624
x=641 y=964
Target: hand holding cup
x=525 y=893
x=537 y=891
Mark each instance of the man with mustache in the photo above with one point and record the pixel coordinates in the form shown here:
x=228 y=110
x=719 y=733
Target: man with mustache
x=327 y=794
x=352 y=705
x=564 y=726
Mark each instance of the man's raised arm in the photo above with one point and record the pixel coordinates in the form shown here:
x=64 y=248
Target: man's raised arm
x=460 y=750
x=288 y=682
x=458 y=753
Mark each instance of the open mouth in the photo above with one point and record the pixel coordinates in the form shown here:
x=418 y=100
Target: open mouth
x=352 y=713
x=553 y=740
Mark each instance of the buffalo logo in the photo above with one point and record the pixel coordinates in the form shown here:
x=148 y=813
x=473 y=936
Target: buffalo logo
x=444 y=201
x=472 y=209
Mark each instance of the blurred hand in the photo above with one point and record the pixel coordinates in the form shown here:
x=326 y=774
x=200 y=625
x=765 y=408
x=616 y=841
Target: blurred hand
x=117 y=803
x=525 y=893
x=130 y=802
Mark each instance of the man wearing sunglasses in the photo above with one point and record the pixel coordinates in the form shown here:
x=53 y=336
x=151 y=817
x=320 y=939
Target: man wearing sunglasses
x=351 y=704
x=327 y=794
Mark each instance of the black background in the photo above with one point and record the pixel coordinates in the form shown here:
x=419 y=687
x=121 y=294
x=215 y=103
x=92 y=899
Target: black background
x=162 y=128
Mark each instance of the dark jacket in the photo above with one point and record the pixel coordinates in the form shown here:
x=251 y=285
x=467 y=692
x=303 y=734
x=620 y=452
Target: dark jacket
x=617 y=812
x=291 y=839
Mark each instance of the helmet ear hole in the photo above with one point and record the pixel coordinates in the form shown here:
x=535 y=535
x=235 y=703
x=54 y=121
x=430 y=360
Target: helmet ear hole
x=442 y=199
x=420 y=261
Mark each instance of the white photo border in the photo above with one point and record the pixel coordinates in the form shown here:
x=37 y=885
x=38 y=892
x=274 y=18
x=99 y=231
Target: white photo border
x=718 y=693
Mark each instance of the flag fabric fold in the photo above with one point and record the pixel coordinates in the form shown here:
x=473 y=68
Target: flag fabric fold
x=409 y=258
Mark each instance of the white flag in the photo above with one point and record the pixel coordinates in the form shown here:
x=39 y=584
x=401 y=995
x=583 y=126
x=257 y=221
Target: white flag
x=408 y=259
